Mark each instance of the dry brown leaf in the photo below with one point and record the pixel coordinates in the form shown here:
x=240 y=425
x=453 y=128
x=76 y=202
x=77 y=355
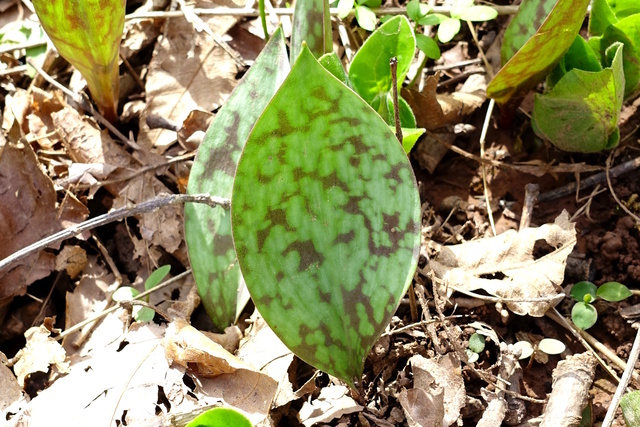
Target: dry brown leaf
x=430 y=375
x=39 y=353
x=188 y=71
x=533 y=281
x=28 y=213
x=193 y=129
x=85 y=143
x=188 y=347
x=11 y=390
x=73 y=259
x=332 y=403
x=422 y=409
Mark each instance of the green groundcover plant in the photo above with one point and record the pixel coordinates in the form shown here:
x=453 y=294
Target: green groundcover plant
x=584 y=314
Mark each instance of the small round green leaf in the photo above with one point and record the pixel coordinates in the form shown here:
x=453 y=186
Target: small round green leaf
x=476 y=343
x=630 y=405
x=478 y=14
x=344 y=7
x=366 y=18
x=580 y=289
x=433 y=19
x=472 y=357
x=156 y=277
x=142 y=314
x=525 y=347
x=428 y=45
x=220 y=417
x=584 y=315
x=551 y=346
x=613 y=292
x=448 y=29
x=326 y=220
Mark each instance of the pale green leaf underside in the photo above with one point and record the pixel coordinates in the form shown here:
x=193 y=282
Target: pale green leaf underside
x=208 y=230
x=326 y=217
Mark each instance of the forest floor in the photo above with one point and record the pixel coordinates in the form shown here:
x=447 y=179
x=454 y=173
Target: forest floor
x=117 y=372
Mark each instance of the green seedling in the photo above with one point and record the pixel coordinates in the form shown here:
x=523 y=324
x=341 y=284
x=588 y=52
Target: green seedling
x=127 y=293
x=548 y=346
x=475 y=347
x=584 y=314
x=87 y=34
x=220 y=417
x=365 y=17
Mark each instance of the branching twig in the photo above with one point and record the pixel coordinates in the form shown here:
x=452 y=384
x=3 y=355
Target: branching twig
x=116 y=215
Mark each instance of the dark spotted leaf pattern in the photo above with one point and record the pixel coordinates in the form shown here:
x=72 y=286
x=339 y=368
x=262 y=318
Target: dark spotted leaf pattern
x=326 y=220
x=311 y=25
x=208 y=230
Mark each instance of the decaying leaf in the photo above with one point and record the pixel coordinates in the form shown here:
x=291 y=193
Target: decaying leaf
x=532 y=281
x=188 y=71
x=422 y=408
x=188 y=347
x=73 y=259
x=332 y=403
x=28 y=212
x=11 y=390
x=39 y=353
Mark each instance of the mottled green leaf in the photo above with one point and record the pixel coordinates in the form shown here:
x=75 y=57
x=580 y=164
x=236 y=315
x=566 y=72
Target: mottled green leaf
x=312 y=25
x=326 y=220
x=580 y=289
x=601 y=17
x=523 y=25
x=613 y=292
x=370 y=73
x=540 y=54
x=580 y=56
x=366 y=18
x=332 y=64
x=156 y=277
x=581 y=112
x=220 y=417
x=584 y=315
x=208 y=230
x=428 y=45
x=87 y=34
x=626 y=31
x=448 y=29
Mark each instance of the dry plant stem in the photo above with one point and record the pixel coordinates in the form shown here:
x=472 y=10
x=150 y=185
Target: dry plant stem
x=252 y=12
x=558 y=318
x=572 y=380
x=116 y=215
x=393 y=64
x=591 y=181
x=624 y=381
x=497 y=408
x=84 y=105
x=131 y=71
x=613 y=193
x=531 y=192
x=102 y=314
x=597 y=345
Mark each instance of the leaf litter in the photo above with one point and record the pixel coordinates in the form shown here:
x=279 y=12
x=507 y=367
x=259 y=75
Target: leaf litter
x=123 y=372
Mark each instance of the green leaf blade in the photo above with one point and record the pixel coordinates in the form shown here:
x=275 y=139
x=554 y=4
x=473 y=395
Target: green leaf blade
x=530 y=16
x=613 y=292
x=156 y=277
x=540 y=54
x=369 y=72
x=208 y=230
x=311 y=25
x=584 y=315
x=325 y=220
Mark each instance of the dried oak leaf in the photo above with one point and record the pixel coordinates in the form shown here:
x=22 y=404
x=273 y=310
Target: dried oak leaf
x=505 y=266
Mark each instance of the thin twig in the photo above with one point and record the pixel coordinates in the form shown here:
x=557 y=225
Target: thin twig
x=116 y=215
x=103 y=313
x=288 y=11
x=624 y=382
x=84 y=104
x=531 y=192
x=598 y=178
x=393 y=64
x=612 y=191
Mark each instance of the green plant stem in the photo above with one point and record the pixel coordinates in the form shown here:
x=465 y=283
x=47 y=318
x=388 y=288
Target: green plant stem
x=263 y=19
